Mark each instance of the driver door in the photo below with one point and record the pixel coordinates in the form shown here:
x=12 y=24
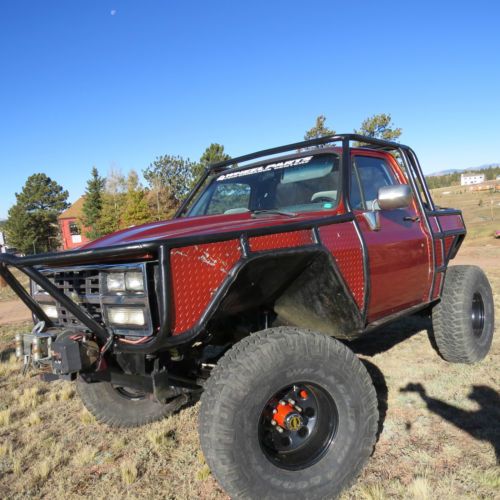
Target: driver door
x=398 y=253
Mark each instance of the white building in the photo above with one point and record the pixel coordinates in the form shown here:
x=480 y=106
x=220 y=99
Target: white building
x=469 y=179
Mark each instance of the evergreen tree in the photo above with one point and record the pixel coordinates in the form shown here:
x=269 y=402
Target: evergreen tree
x=111 y=214
x=113 y=203
x=32 y=223
x=92 y=206
x=136 y=207
x=379 y=127
x=319 y=129
x=213 y=154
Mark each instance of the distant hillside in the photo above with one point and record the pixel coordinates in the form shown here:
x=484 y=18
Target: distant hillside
x=452 y=177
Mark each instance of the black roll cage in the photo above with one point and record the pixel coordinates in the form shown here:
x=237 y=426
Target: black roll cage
x=160 y=249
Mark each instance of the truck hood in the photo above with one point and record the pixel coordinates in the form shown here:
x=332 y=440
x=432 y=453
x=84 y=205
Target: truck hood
x=190 y=226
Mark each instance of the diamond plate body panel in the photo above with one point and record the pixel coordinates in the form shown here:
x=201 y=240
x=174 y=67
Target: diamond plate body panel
x=344 y=244
x=448 y=242
x=274 y=241
x=438 y=282
x=438 y=249
x=449 y=222
x=197 y=273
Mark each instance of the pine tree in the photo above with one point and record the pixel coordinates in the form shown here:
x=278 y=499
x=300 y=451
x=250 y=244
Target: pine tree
x=92 y=206
x=380 y=127
x=213 y=154
x=111 y=214
x=113 y=203
x=136 y=207
x=319 y=129
x=32 y=221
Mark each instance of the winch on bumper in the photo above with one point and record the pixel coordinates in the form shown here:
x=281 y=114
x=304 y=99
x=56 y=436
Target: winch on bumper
x=65 y=352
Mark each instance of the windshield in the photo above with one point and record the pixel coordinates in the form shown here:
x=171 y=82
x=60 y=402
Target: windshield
x=307 y=183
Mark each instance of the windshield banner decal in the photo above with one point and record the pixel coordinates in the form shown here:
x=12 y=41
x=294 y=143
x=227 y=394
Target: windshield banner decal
x=265 y=168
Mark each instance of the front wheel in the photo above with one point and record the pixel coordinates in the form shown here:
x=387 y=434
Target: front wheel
x=120 y=406
x=288 y=414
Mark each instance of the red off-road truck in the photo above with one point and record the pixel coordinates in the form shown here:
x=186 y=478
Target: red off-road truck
x=246 y=297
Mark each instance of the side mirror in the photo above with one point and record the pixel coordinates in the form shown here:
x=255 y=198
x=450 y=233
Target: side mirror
x=391 y=197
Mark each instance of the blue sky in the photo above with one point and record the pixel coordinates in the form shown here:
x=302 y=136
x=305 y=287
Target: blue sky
x=117 y=83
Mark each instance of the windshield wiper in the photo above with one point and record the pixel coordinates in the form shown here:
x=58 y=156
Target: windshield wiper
x=272 y=211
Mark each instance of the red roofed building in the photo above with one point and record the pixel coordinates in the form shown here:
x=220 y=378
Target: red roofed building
x=72 y=232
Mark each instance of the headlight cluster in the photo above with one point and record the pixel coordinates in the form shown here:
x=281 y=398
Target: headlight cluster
x=131 y=281
x=126 y=316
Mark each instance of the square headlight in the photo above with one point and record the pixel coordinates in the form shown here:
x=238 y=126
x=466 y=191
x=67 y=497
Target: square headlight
x=115 y=282
x=134 y=281
x=126 y=316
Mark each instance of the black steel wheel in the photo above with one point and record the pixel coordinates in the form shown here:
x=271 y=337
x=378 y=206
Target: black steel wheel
x=463 y=322
x=297 y=425
x=129 y=393
x=287 y=413
x=477 y=314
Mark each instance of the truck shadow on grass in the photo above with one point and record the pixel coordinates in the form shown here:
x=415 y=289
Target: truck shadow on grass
x=482 y=424
x=387 y=336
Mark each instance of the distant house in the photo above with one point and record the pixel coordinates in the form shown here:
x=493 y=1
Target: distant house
x=72 y=233
x=469 y=179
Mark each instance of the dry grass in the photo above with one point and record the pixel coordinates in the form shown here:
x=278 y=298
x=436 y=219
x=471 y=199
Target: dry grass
x=481 y=209
x=6 y=292
x=128 y=471
x=4 y=418
x=51 y=447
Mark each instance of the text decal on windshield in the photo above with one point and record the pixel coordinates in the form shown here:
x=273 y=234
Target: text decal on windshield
x=264 y=168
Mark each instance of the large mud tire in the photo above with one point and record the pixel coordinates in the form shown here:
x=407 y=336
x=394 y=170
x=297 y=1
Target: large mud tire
x=463 y=321
x=122 y=407
x=246 y=457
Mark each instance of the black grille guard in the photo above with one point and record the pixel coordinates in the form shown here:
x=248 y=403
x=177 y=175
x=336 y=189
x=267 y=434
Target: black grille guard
x=28 y=266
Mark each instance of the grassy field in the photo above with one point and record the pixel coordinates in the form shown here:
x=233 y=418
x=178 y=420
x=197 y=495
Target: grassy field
x=481 y=209
x=439 y=430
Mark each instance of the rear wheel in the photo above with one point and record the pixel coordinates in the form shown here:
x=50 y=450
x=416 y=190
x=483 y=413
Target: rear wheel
x=288 y=414
x=463 y=321
x=120 y=406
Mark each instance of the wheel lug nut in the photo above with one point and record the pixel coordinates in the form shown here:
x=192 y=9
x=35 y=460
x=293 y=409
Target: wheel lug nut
x=275 y=411
x=273 y=422
x=291 y=401
x=283 y=403
x=279 y=429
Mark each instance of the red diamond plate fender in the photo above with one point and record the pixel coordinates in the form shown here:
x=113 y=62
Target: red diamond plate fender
x=290 y=239
x=197 y=272
x=344 y=243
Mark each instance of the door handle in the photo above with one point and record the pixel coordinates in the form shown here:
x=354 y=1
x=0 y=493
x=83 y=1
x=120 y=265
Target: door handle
x=410 y=218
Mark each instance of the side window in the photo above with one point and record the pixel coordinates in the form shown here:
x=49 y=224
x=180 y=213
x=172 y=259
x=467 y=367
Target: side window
x=74 y=229
x=229 y=196
x=369 y=174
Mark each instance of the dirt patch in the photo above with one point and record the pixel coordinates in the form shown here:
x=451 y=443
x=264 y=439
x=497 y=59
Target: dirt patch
x=13 y=311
